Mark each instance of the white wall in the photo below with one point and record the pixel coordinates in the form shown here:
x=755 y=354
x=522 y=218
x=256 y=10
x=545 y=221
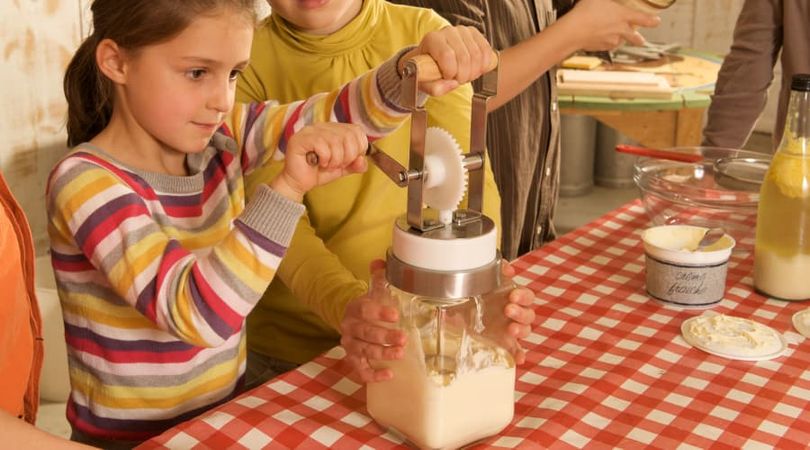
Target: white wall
x=37 y=39
x=703 y=24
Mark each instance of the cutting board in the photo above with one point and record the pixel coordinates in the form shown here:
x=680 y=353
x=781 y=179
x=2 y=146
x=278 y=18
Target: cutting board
x=613 y=84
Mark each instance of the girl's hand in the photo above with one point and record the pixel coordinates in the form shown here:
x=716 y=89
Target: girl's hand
x=605 y=24
x=340 y=148
x=462 y=54
x=368 y=330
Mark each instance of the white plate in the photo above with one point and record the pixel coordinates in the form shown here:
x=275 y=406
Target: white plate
x=733 y=329
x=801 y=322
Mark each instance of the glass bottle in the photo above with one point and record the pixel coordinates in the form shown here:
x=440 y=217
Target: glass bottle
x=782 y=249
x=456 y=383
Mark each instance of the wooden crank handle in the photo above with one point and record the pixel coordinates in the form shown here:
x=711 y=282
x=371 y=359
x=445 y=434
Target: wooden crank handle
x=428 y=70
x=313 y=159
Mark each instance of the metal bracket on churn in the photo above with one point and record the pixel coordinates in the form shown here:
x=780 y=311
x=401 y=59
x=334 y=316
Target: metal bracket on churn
x=473 y=161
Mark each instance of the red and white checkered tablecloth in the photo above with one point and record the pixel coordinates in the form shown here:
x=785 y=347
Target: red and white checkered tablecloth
x=606 y=367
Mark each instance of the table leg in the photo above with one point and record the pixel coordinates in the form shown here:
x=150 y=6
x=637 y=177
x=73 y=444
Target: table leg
x=689 y=130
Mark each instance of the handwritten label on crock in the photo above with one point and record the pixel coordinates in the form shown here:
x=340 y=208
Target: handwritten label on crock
x=686 y=285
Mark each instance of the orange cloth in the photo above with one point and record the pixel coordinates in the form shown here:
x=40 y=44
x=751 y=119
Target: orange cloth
x=21 y=348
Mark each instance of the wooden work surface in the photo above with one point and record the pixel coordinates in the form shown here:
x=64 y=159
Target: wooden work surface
x=670 y=122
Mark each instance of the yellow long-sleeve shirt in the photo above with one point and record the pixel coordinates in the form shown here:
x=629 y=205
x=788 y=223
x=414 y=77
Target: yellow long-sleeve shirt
x=348 y=222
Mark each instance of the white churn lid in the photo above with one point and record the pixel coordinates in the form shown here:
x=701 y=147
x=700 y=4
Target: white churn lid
x=453 y=247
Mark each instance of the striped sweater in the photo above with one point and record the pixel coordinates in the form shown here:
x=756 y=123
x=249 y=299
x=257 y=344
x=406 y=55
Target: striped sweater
x=156 y=273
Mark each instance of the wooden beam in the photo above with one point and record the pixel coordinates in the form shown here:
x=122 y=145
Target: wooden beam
x=668 y=128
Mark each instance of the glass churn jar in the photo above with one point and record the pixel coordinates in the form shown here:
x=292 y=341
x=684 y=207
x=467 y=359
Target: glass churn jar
x=456 y=383
x=782 y=249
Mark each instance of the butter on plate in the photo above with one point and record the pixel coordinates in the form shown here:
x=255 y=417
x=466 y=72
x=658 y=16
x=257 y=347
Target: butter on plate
x=801 y=321
x=733 y=337
x=581 y=62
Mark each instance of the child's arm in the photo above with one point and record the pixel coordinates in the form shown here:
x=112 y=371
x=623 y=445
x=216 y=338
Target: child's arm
x=311 y=269
x=590 y=25
x=109 y=235
x=371 y=101
x=117 y=242
x=20 y=434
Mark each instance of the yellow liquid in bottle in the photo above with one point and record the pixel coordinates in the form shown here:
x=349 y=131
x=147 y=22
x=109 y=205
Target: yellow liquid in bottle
x=782 y=252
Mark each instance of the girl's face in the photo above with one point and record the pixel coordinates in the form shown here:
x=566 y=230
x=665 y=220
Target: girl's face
x=179 y=91
x=317 y=16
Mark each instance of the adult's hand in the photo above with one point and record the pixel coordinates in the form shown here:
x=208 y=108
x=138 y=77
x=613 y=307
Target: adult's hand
x=605 y=24
x=519 y=310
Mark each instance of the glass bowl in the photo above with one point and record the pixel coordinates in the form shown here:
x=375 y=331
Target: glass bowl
x=722 y=190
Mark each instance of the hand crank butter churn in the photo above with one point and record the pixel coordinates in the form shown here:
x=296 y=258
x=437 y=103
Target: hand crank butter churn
x=456 y=383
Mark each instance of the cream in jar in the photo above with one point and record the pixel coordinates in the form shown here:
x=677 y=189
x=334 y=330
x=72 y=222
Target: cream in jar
x=442 y=410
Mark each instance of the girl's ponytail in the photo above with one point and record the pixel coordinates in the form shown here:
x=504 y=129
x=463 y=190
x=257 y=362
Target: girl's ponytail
x=89 y=95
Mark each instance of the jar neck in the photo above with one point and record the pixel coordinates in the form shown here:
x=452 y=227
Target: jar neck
x=796 y=138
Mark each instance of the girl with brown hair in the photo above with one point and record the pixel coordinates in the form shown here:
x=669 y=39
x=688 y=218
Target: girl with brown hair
x=157 y=256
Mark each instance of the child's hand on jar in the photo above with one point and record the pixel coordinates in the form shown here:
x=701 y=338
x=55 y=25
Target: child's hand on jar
x=369 y=333
x=368 y=330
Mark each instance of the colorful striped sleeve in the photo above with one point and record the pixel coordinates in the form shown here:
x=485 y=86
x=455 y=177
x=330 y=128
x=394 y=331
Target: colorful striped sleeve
x=104 y=222
x=371 y=101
